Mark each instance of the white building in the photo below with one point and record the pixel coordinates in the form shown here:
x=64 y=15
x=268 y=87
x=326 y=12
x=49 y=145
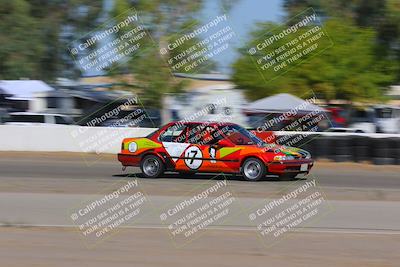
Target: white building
x=394 y=94
x=219 y=102
x=36 y=96
x=21 y=93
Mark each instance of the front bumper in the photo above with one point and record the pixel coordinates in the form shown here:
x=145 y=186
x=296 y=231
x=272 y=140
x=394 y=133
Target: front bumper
x=290 y=166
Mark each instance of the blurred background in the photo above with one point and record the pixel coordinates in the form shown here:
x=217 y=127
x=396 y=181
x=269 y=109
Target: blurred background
x=355 y=80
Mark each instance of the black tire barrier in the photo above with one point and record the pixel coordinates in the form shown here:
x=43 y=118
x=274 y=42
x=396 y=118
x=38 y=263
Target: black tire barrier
x=321 y=146
x=317 y=146
x=357 y=148
x=306 y=144
x=341 y=148
x=382 y=151
x=361 y=148
x=397 y=154
x=395 y=150
x=325 y=148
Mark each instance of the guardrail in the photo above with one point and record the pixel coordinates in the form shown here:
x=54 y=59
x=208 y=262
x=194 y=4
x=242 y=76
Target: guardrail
x=358 y=147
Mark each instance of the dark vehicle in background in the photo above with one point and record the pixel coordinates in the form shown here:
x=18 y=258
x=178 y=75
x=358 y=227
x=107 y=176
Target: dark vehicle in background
x=363 y=120
x=338 y=116
x=30 y=118
x=374 y=119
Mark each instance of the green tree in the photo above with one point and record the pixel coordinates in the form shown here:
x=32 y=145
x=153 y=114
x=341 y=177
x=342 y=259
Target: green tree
x=347 y=70
x=165 y=21
x=381 y=15
x=201 y=67
x=21 y=47
x=35 y=35
x=366 y=13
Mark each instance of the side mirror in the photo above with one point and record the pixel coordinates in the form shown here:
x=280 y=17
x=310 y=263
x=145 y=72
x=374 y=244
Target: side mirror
x=224 y=143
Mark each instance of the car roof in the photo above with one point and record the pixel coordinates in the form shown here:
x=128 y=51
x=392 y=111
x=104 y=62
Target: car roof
x=202 y=122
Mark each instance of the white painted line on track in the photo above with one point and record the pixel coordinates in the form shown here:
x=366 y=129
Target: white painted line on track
x=233 y=228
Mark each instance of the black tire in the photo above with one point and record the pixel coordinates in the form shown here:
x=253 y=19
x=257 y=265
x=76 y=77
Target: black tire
x=287 y=176
x=253 y=169
x=152 y=166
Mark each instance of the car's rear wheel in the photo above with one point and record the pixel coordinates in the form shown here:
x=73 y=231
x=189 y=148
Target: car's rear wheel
x=253 y=169
x=152 y=166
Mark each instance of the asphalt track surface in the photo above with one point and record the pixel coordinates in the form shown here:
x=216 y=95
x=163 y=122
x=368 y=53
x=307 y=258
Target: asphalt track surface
x=38 y=192
x=93 y=167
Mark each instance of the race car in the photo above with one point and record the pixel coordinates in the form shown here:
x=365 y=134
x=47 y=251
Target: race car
x=212 y=147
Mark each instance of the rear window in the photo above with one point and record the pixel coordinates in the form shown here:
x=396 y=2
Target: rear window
x=27 y=118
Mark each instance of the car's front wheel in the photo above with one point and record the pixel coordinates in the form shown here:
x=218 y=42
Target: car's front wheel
x=253 y=169
x=152 y=166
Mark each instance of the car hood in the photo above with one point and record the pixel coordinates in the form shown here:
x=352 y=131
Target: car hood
x=288 y=151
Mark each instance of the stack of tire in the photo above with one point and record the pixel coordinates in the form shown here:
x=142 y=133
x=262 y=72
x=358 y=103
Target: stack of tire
x=341 y=148
x=397 y=153
x=396 y=150
x=356 y=148
x=361 y=148
x=384 y=151
x=321 y=145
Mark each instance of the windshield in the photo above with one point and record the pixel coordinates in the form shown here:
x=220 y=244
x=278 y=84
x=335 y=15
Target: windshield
x=150 y=135
x=240 y=136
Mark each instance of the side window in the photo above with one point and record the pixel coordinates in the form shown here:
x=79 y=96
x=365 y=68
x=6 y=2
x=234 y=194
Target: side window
x=39 y=118
x=203 y=135
x=174 y=134
x=61 y=120
x=27 y=118
x=52 y=102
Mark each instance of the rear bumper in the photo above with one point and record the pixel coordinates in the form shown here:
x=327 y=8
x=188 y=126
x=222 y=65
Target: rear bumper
x=129 y=160
x=292 y=166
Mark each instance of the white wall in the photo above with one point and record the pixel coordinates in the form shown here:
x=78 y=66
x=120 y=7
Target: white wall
x=66 y=138
x=86 y=139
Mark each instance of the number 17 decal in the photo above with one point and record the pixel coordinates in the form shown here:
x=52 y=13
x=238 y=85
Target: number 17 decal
x=193 y=157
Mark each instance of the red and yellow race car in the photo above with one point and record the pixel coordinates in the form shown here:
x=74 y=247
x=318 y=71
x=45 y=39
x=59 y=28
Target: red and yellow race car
x=198 y=147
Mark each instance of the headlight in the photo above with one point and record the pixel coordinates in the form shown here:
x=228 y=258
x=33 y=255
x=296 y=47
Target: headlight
x=308 y=156
x=280 y=158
